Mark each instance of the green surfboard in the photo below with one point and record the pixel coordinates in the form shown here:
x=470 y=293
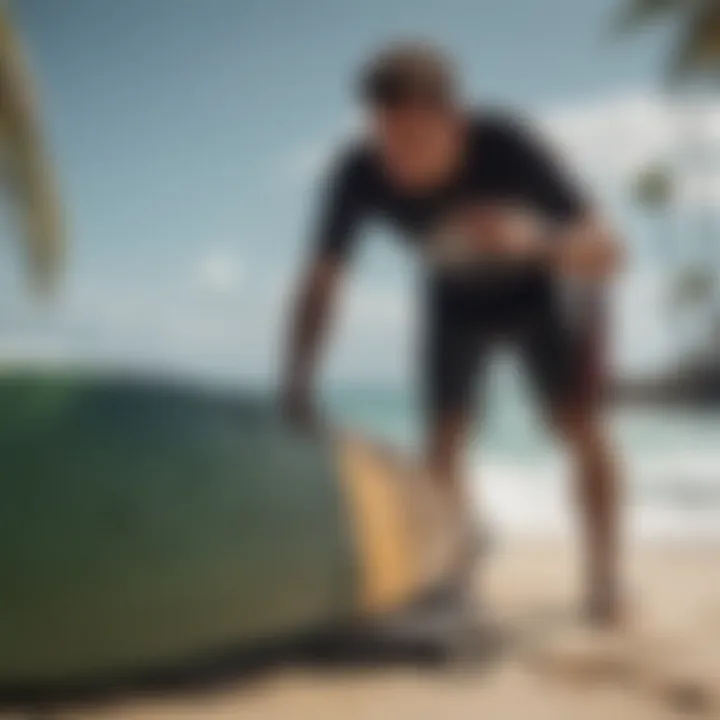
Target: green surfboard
x=145 y=524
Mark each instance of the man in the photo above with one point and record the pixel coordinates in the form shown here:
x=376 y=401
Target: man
x=499 y=225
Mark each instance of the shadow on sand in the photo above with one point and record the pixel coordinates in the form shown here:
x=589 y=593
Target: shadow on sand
x=340 y=650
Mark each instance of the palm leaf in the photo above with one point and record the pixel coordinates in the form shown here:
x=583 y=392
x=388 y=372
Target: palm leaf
x=694 y=286
x=639 y=12
x=654 y=186
x=24 y=168
x=698 y=49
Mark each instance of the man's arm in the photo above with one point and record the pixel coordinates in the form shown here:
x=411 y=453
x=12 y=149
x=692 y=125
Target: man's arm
x=584 y=247
x=309 y=321
x=587 y=248
x=335 y=236
x=581 y=243
x=560 y=226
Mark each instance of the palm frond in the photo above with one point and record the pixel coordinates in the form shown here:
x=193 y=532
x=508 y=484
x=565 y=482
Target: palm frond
x=637 y=13
x=654 y=186
x=24 y=168
x=694 y=286
x=698 y=49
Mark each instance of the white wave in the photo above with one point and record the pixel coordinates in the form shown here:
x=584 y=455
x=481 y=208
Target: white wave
x=663 y=499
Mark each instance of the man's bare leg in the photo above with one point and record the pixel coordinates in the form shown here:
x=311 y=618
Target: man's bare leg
x=447 y=438
x=598 y=497
x=445 y=443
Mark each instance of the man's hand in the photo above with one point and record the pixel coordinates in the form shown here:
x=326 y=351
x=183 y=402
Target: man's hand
x=587 y=251
x=502 y=231
x=298 y=409
x=308 y=321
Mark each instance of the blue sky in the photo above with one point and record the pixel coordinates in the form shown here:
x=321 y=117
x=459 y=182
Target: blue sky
x=188 y=135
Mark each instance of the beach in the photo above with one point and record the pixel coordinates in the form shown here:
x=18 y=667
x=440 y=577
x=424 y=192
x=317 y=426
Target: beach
x=556 y=194
x=531 y=655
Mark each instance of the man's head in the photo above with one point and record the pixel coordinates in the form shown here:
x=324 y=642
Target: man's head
x=410 y=93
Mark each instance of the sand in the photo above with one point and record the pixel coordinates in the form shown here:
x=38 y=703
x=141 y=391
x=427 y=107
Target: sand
x=533 y=659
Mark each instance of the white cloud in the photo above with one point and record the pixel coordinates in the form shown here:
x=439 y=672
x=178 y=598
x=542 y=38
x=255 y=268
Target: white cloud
x=220 y=272
x=612 y=139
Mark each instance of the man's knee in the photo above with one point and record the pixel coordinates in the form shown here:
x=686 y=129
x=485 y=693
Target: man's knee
x=582 y=429
x=586 y=437
x=446 y=434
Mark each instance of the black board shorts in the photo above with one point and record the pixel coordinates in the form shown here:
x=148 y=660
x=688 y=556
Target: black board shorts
x=469 y=316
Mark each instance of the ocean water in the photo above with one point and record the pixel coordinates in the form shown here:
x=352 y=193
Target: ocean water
x=521 y=480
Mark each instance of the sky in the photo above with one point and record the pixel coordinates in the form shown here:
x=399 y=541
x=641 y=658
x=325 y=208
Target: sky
x=189 y=137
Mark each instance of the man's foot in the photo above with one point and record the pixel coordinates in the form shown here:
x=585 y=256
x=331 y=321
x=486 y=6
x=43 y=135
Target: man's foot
x=447 y=622
x=603 y=608
x=470 y=537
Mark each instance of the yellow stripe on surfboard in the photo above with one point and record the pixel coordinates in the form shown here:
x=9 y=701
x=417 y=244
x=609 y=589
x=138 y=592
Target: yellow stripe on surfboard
x=384 y=547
